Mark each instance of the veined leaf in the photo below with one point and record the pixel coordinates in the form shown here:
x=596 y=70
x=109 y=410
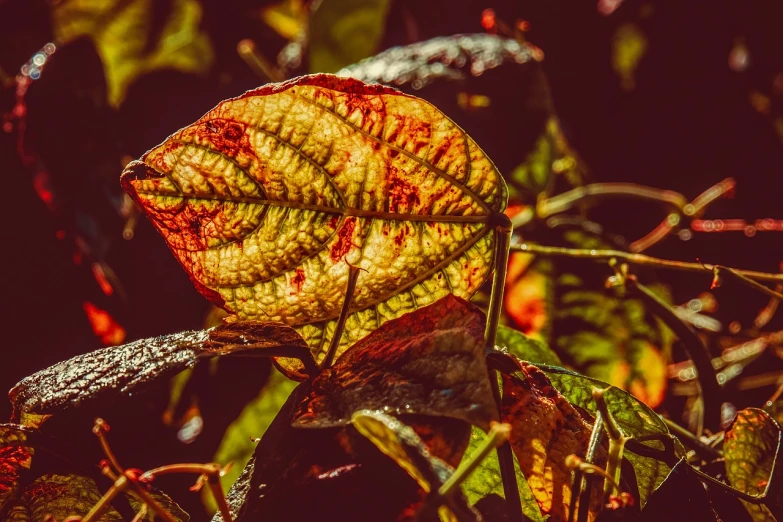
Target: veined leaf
x=526 y=348
x=486 y=480
x=131 y=367
x=427 y=362
x=750 y=447
x=634 y=418
x=268 y=198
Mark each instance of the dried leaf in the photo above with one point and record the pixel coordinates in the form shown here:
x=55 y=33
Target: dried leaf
x=545 y=429
x=16 y=457
x=486 y=482
x=750 y=447
x=130 y=367
x=269 y=197
x=124 y=35
x=427 y=362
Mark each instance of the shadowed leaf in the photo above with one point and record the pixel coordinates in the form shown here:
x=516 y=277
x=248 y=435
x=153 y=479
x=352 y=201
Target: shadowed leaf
x=525 y=348
x=680 y=497
x=750 y=447
x=427 y=362
x=130 y=367
x=269 y=197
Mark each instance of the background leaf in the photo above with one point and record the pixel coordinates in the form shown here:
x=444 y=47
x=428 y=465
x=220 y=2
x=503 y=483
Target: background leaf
x=525 y=348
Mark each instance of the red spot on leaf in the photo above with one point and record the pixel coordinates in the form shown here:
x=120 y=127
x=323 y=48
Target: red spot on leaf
x=402 y=195
x=298 y=279
x=344 y=241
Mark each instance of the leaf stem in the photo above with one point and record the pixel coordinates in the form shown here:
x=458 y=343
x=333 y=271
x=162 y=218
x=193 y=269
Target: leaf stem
x=503 y=231
x=104 y=503
x=705 y=451
x=353 y=275
x=571 y=198
x=581 y=487
x=498 y=434
x=211 y=471
x=718 y=269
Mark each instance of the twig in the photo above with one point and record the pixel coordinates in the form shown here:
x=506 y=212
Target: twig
x=637 y=259
x=212 y=472
x=353 y=275
x=574 y=463
x=717 y=269
x=568 y=200
x=694 y=208
x=257 y=62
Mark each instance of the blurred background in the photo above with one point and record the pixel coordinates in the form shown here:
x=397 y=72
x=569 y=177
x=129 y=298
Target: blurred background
x=674 y=95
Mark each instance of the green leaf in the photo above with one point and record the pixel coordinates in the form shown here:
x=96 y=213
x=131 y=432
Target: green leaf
x=634 y=418
x=750 y=447
x=237 y=445
x=526 y=348
x=342 y=32
x=486 y=480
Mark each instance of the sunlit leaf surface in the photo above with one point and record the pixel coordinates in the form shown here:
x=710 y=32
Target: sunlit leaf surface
x=428 y=362
x=750 y=447
x=129 y=46
x=269 y=197
x=525 y=348
x=15 y=457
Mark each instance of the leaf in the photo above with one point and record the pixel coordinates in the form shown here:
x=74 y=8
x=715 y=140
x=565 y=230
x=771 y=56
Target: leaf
x=400 y=443
x=126 y=39
x=750 y=447
x=269 y=197
x=237 y=445
x=545 y=429
x=629 y=45
x=343 y=32
x=16 y=456
x=131 y=367
x=486 y=480
x=525 y=348
x=445 y=57
x=632 y=416
x=427 y=362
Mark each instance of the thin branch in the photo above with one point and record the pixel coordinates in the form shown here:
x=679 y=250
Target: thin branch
x=718 y=269
x=568 y=200
x=703 y=450
x=694 y=208
x=581 y=487
x=617 y=442
x=638 y=260
x=498 y=434
x=353 y=275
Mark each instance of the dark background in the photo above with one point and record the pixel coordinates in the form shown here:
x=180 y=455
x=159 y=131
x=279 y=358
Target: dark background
x=688 y=124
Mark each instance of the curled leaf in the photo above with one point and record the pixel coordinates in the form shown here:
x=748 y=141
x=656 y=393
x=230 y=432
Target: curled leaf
x=268 y=198
x=750 y=447
x=427 y=362
x=130 y=367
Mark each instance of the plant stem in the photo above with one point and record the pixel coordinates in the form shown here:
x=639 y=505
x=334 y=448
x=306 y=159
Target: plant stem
x=617 y=441
x=104 y=503
x=353 y=275
x=581 y=488
x=637 y=259
x=705 y=451
x=220 y=497
x=503 y=231
x=746 y=281
x=498 y=434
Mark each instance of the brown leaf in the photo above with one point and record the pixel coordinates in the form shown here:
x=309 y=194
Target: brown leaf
x=16 y=456
x=545 y=429
x=268 y=198
x=427 y=362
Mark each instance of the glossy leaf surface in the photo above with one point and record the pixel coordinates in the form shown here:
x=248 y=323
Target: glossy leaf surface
x=131 y=367
x=427 y=362
x=269 y=197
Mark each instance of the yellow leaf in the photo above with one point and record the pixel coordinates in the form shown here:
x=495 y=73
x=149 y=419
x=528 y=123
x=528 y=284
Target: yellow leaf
x=270 y=197
x=122 y=36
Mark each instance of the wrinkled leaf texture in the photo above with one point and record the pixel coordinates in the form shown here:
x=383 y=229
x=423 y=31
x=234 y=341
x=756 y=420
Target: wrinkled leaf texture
x=269 y=197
